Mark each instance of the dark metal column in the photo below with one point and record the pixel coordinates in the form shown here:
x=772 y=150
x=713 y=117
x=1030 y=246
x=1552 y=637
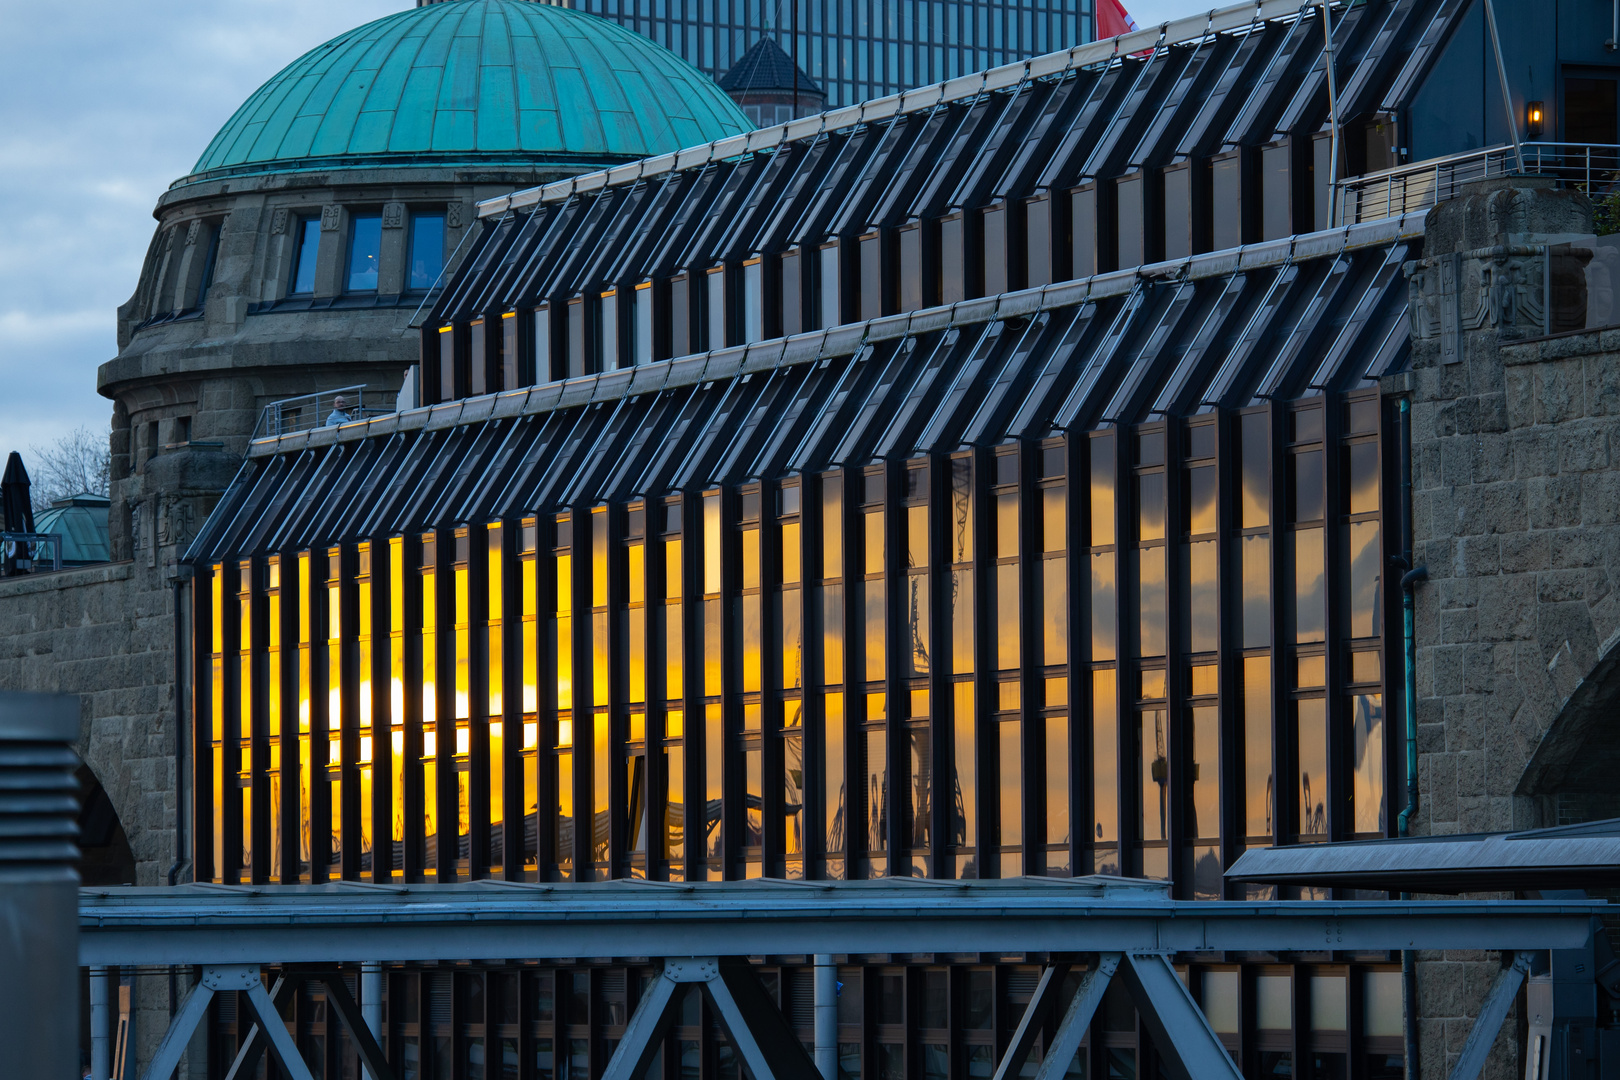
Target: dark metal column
x=39 y=809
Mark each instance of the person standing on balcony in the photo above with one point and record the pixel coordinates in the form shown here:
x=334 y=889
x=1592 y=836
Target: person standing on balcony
x=339 y=413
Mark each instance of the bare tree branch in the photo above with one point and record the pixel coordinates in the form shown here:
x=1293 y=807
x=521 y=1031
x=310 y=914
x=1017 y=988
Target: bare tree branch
x=77 y=463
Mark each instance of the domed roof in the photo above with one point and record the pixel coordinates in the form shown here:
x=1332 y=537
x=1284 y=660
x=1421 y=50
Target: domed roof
x=475 y=81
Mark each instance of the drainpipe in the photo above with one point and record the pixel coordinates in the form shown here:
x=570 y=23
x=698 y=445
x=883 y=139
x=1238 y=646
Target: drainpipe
x=1409 y=580
x=181 y=862
x=826 y=1009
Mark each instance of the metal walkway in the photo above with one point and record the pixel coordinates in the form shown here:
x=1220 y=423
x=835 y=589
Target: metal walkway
x=1118 y=927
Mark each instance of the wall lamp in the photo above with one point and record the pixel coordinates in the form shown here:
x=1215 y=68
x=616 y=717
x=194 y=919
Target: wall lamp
x=1533 y=115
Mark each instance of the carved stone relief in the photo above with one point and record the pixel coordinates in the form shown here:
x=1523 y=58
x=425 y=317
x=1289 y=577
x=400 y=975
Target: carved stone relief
x=278 y=222
x=393 y=216
x=331 y=215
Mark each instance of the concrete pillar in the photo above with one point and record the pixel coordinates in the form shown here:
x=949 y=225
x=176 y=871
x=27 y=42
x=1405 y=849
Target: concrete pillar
x=371 y=992
x=100 y=1037
x=826 y=1003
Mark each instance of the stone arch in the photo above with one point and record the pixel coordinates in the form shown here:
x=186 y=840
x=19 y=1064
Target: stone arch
x=106 y=856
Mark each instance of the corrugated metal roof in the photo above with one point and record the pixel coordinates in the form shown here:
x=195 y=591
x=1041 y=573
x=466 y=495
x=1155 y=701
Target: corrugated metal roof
x=1569 y=857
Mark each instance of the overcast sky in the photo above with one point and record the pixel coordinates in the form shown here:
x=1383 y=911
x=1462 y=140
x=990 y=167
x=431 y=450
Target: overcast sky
x=103 y=103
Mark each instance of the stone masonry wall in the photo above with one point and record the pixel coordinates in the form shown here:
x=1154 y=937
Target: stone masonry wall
x=1516 y=514
x=106 y=633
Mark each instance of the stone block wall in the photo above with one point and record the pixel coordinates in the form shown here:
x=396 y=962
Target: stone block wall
x=1516 y=515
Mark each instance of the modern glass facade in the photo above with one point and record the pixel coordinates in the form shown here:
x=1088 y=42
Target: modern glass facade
x=858 y=49
x=1009 y=568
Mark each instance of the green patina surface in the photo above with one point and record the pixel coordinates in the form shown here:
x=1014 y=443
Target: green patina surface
x=475 y=80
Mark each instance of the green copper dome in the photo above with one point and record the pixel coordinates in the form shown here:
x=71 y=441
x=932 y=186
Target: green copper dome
x=474 y=81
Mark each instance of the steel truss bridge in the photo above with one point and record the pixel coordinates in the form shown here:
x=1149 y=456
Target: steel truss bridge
x=1107 y=928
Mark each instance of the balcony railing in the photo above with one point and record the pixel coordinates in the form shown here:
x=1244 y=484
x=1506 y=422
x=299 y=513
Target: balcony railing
x=1416 y=187
x=29 y=553
x=308 y=411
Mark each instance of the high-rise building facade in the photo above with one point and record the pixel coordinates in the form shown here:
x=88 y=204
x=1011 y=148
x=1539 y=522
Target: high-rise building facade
x=858 y=49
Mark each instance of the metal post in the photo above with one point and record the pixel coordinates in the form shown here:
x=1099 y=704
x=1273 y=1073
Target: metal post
x=371 y=993
x=100 y=1037
x=39 y=885
x=826 y=1009
x=1333 y=115
x=1501 y=74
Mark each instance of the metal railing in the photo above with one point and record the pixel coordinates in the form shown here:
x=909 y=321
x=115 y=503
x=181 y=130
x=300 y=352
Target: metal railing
x=1588 y=167
x=308 y=411
x=22 y=553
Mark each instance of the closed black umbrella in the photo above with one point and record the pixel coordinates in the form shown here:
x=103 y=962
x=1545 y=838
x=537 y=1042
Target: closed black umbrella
x=14 y=501
x=18 y=513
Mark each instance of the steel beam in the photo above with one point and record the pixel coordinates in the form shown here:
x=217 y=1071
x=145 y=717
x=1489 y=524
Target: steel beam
x=644 y=1034
x=1077 y=1018
x=185 y=1020
x=752 y=1021
x=755 y=1025
x=288 y=925
x=371 y=1055
x=1189 y=1048
x=281 y=1041
x=1041 y=1004
x=246 y=1062
x=1498 y=1000
x=371 y=1000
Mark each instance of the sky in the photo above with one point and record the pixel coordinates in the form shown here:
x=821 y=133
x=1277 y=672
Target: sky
x=103 y=103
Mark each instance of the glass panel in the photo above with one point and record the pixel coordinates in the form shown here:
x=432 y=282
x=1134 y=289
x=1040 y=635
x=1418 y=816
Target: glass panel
x=1201 y=488
x=1104 y=616
x=1328 y=1003
x=1057 y=780
x=1103 y=466
x=427 y=249
x=1055 y=611
x=713 y=774
x=877 y=789
x=832 y=623
x=1306 y=485
x=1054 y=504
x=916 y=616
x=1274 y=1002
x=1257 y=777
x=1203 y=598
x=1366 y=578
x=1150 y=506
x=1153 y=823
x=876 y=624
x=1367 y=727
x=1256 y=583
x=964 y=789
x=833 y=769
x=1311 y=720
x=1256 y=455
x=1310 y=586
x=1011 y=803
x=1007 y=628
x=365 y=249
x=1219 y=999
x=753 y=798
x=309 y=245
x=1151 y=597
x=920 y=742
x=960 y=540
x=1383 y=1004
x=793 y=792
x=675 y=803
x=1104 y=758
x=1203 y=806
x=1362 y=483
x=961 y=621
x=832 y=527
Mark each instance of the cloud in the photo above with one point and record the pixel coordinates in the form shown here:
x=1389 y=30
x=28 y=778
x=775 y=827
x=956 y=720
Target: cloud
x=102 y=105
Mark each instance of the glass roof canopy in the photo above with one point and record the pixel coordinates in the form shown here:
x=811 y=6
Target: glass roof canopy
x=1162 y=347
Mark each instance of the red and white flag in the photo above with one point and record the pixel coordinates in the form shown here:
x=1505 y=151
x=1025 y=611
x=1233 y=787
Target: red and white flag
x=1113 y=19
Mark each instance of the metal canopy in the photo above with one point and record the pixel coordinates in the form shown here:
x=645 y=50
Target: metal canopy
x=491 y=920
x=1569 y=857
